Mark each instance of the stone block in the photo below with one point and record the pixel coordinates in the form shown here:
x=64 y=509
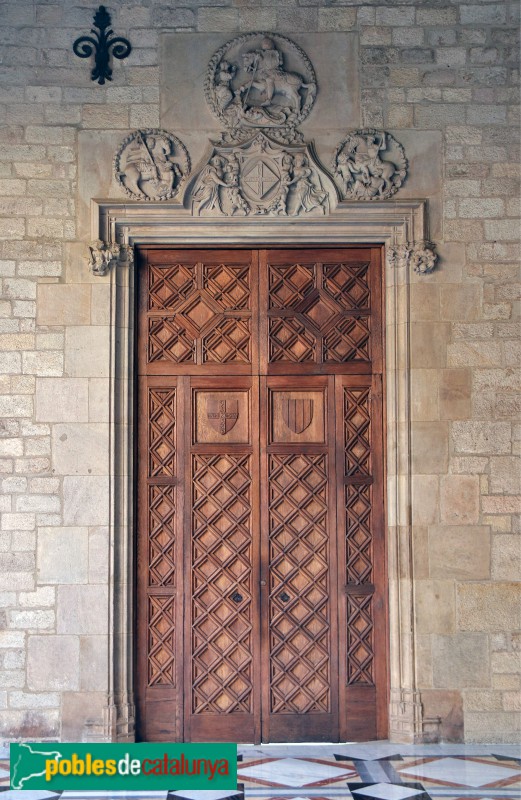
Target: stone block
x=79 y=709
x=62 y=555
x=459 y=499
x=62 y=400
x=53 y=663
x=430 y=447
x=81 y=449
x=489 y=607
x=87 y=351
x=459 y=552
x=424 y=394
x=94 y=652
x=425 y=499
x=490 y=438
x=99 y=556
x=506 y=557
x=83 y=609
x=429 y=344
x=85 y=500
x=449 y=706
x=61 y=304
x=501 y=505
x=505 y=475
x=492 y=726
x=461 y=661
x=435 y=606
x=455 y=386
x=33 y=619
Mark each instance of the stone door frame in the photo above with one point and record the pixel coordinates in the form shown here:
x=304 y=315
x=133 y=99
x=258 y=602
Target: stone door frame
x=391 y=224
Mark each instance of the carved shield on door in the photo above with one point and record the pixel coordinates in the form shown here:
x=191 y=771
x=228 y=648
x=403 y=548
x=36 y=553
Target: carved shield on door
x=222 y=414
x=297 y=414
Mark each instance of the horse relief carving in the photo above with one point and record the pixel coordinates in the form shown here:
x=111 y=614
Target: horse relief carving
x=369 y=165
x=151 y=165
x=261 y=80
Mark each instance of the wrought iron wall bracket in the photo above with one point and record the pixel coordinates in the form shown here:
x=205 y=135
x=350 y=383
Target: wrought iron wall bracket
x=102 y=46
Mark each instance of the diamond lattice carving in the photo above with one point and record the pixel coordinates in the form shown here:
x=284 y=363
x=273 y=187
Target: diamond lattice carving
x=348 y=341
x=290 y=341
x=168 y=286
x=290 y=284
x=348 y=284
x=360 y=645
x=161 y=541
x=161 y=641
x=359 y=538
x=161 y=432
x=168 y=341
x=229 y=286
x=299 y=601
x=221 y=569
x=357 y=431
x=229 y=341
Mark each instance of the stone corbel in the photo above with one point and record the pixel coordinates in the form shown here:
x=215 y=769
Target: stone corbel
x=421 y=256
x=103 y=256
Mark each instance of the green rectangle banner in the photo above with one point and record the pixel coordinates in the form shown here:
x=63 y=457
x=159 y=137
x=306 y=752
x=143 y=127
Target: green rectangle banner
x=120 y=767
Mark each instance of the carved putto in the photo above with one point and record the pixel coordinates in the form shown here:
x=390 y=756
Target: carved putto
x=151 y=164
x=260 y=177
x=260 y=80
x=369 y=165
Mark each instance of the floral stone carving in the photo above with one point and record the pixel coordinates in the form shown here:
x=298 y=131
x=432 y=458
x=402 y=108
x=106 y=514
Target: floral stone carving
x=421 y=256
x=260 y=177
x=151 y=164
x=369 y=165
x=260 y=80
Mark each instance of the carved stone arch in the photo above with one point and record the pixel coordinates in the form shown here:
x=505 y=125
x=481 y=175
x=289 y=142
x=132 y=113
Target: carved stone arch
x=400 y=226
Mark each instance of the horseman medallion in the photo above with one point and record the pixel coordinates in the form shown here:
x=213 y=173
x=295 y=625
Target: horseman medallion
x=297 y=414
x=260 y=80
x=222 y=414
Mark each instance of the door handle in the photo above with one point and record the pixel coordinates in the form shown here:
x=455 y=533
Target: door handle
x=284 y=597
x=236 y=597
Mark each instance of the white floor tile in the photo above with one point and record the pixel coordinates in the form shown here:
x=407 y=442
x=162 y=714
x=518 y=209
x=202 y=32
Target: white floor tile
x=292 y=772
x=388 y=791
x=462 y=772
x=205 y=794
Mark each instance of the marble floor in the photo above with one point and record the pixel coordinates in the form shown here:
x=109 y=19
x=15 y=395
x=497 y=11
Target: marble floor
x=361 y=771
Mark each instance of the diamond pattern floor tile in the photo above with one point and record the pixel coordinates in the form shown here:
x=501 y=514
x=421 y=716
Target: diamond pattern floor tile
x=471 y=772
x=295 y=772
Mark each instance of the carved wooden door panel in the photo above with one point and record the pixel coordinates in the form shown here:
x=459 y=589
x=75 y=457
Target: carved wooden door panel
x=260 y=547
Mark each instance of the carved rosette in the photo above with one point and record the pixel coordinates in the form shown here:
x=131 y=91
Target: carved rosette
x=420 y=256
x=151 y=164
x=103 y=255
x=369 y=165
x=260 y=177
x=260 y=81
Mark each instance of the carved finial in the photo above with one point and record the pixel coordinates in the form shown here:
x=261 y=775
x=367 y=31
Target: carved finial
x=421 y=256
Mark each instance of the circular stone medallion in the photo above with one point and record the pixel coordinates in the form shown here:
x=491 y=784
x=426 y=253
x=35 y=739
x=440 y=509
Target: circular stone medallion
x=369 y=165
x=260 y=80
x=151 y=164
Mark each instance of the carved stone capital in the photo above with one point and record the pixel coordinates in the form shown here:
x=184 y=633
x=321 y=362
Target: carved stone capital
x=421 y=256
x=103 y=256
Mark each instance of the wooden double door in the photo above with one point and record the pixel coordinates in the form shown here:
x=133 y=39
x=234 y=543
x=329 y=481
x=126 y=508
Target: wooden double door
x=261 y=594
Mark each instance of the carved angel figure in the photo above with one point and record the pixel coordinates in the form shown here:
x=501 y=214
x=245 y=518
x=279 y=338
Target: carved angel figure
x=207 y=191
x=305 y=195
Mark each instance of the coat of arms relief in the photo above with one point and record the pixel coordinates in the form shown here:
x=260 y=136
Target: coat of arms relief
x=260 y=87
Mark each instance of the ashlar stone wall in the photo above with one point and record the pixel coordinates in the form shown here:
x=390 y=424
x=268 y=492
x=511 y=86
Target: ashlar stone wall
x=437 y=68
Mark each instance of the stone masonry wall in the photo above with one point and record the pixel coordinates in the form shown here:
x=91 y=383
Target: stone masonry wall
x=443 y=65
